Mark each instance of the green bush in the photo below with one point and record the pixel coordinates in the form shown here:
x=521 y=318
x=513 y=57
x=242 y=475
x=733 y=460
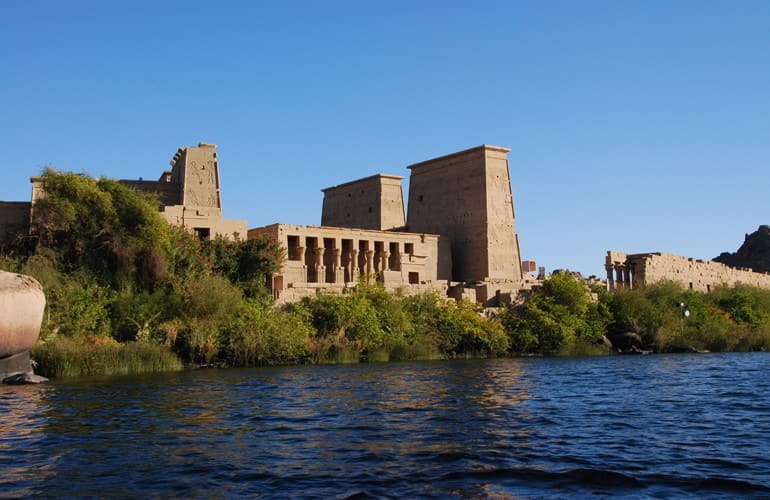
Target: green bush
x=259 y=335
x=559 y=317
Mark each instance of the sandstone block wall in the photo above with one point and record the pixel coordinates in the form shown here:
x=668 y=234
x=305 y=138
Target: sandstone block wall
x=375 y=202
x=630 y=270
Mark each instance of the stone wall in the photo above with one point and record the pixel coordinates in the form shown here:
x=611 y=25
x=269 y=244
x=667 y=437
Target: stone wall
x=375 y=202
x=633 y=270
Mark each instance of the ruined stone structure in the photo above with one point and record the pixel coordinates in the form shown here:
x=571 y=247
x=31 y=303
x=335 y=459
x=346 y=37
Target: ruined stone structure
x=466 y=197
x=375 y=202
x=189 y=195
x=634 y=270
x=331 y=259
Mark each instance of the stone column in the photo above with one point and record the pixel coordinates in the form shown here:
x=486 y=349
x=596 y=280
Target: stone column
x=627 y=277
x=385 y=261
x=301 y=253
x=319 y=264
x=353 y=265
x=610 y=277
x=339 y=272
x=619 y=273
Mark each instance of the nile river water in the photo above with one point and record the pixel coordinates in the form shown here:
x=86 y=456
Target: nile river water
x=646 y=426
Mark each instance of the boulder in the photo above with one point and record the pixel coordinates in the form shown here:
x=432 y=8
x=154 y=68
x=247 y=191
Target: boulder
x=22 y=303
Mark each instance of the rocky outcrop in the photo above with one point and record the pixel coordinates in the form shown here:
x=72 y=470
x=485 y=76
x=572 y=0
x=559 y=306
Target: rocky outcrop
x=22 y=303
x=754 y=253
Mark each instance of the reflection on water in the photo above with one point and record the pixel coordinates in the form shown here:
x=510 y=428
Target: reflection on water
x=22 y=411
x=644 y=426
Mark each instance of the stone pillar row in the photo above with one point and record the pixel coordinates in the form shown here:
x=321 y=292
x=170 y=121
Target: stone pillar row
x=372 y=261
x=619 y=275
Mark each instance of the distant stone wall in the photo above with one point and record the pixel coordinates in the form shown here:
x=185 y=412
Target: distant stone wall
x=632 y=270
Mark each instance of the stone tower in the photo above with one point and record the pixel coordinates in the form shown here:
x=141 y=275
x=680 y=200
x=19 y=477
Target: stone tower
x=466 y=197
x=375 y=202
x=197 y=170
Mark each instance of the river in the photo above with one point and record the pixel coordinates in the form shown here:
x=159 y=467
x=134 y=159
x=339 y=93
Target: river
x=636 y=426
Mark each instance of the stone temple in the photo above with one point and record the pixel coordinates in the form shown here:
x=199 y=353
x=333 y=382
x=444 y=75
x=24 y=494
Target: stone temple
x=458 y=235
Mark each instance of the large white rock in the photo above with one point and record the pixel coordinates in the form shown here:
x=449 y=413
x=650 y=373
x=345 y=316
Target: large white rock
x=22 y=303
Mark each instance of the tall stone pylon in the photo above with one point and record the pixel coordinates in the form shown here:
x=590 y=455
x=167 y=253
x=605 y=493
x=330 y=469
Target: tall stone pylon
x=466 y=197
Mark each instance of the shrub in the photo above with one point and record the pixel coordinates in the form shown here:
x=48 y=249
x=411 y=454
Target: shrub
x=259 y=335
x=559 y=316
x=88 y=356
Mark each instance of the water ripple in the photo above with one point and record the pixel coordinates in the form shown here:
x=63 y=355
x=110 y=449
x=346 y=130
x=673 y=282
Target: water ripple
x=639 y=427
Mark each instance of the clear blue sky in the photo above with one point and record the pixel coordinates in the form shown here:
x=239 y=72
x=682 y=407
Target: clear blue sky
x=634 y=125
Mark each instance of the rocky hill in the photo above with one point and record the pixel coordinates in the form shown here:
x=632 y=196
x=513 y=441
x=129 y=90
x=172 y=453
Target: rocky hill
x=754 y=253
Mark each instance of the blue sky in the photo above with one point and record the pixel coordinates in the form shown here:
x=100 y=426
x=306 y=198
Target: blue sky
x=634 y=125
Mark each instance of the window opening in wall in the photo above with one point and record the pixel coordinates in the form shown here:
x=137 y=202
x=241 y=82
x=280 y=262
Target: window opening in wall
x=691 y=285
x=394 y=259
x=329 y=259
x=708 y=288
x=409 y=248
x=414 y=278
x=347 y=249
x=311 y=259
x=203 y=233
x=378 y=249
x=293 y=243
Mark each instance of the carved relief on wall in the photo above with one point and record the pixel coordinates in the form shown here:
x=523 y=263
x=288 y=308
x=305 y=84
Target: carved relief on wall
x=201 y=186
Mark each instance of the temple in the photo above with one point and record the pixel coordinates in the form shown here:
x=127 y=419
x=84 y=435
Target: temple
x=189 y=196
x=458 y=235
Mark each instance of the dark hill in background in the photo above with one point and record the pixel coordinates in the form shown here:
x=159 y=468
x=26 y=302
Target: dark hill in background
x=754 y=253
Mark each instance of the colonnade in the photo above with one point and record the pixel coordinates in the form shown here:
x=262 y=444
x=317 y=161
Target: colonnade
x=619 y=275
x=330 y=264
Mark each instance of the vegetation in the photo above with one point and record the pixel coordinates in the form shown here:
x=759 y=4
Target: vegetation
x=127 y=293
x=560 y=317
x=727 y=319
